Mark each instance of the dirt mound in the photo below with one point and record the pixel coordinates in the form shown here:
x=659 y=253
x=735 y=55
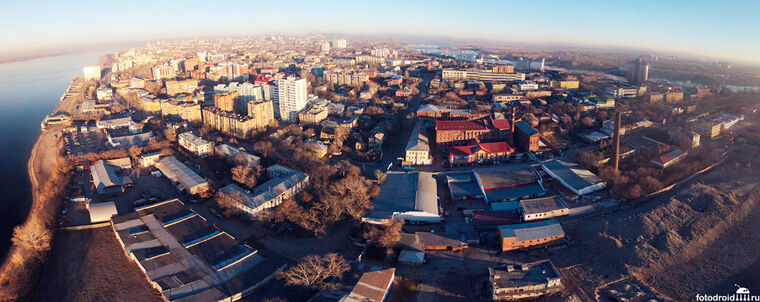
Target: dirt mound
x=679 y=247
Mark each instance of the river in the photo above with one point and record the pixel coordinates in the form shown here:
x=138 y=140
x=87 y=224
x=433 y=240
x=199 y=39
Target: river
x=29 y=90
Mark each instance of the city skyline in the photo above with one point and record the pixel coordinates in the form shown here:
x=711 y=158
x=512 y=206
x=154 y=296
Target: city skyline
x=681 y=27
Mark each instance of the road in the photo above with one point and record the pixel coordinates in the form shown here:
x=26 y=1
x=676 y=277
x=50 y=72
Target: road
x=395 y=147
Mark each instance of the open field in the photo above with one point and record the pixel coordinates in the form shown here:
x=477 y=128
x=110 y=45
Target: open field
x=89 y=265
x=693 y=242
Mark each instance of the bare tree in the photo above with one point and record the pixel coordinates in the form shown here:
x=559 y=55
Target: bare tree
x=228 y=203
x=33 y=237
x=264 y=147
x=380 y=176
x=314 y=271
x=387 y=235
x=245 y=175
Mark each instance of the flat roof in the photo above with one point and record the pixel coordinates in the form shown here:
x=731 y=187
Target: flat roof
x=187 y=257
x=532 y=230
x=523 y=274
x=500 y=177
x=542 y=205
x=525 y=128
x=178 y=172
x=406 y=192
x=571 y=173
x=516 y=192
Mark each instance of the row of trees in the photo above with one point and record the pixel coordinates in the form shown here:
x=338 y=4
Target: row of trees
x=31 y=240
x=637 y=177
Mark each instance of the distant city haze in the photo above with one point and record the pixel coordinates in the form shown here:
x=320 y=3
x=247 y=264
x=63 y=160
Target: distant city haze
x=715 y=29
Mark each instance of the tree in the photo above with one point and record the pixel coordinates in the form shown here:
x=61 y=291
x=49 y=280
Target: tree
x=135 y=151
x=228 y=202
x=33 y=237
x=380 y=176
x=246 y=175
x=314 y=271
x=387 y=235
x=264 y=147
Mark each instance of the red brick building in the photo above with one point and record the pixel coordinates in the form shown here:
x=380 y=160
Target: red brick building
x=526 y=137
x=458 y=132
x=478 y=152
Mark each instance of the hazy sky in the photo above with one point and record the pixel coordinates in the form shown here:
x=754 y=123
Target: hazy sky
x=728 y=29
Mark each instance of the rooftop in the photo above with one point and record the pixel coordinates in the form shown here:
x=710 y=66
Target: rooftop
x=532 y=230
x=571 y=173
x=542 y=205
x=523 y=274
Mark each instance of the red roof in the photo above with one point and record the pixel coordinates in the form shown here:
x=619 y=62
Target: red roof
x=502 y=124
x=459 y=125
x=482 y=124
x=490 y=148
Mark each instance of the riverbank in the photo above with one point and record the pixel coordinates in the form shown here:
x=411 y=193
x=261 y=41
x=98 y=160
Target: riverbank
x=20 y=270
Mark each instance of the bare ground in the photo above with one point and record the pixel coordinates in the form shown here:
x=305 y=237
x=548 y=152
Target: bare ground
x=89 y=265
x=693 y=242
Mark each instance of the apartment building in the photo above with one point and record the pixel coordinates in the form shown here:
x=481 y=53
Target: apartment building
x=195 y=144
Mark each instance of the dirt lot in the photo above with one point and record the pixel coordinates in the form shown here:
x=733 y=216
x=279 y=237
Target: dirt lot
x=89 y=265
x=694 y=241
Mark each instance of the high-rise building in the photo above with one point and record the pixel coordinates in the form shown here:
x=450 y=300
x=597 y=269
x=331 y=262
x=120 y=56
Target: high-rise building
x=228 y=122
x=340 y=43
x=226 y=101
x=163 y=72
x=262 y=113
x=381 y=52
x=638 y=72
x=181 y=86
x=290 y=98
x=325 y=46
x=92 y=72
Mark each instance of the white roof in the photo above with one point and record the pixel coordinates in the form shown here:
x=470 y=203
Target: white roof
x=418 y=141
x=102 y=211
x=178 y=172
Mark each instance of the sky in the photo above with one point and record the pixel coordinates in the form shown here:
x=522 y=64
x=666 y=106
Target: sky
x=721 y=29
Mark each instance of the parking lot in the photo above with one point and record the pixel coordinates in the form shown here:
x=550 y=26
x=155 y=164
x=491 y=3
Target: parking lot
x=80 y=143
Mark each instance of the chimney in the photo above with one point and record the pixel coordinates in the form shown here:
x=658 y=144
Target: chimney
x=513 y=120
x=616 y=158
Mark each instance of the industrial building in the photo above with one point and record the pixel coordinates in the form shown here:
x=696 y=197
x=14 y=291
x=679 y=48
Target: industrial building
x=101 y=211
x=105 y=179
x=543 y=208
x=525 y=235
x=480 y=75
x=411 y=196
x=572 y=176
x=181 y=174
x=524 y=280
x=526 y=137
x=189 y=259
x=495 y=184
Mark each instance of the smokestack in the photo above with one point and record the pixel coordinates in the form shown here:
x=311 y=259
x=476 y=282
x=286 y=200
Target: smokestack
x=513 y=120
x=616 y=158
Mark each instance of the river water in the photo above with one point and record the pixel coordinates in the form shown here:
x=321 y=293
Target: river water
x=29 y=90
